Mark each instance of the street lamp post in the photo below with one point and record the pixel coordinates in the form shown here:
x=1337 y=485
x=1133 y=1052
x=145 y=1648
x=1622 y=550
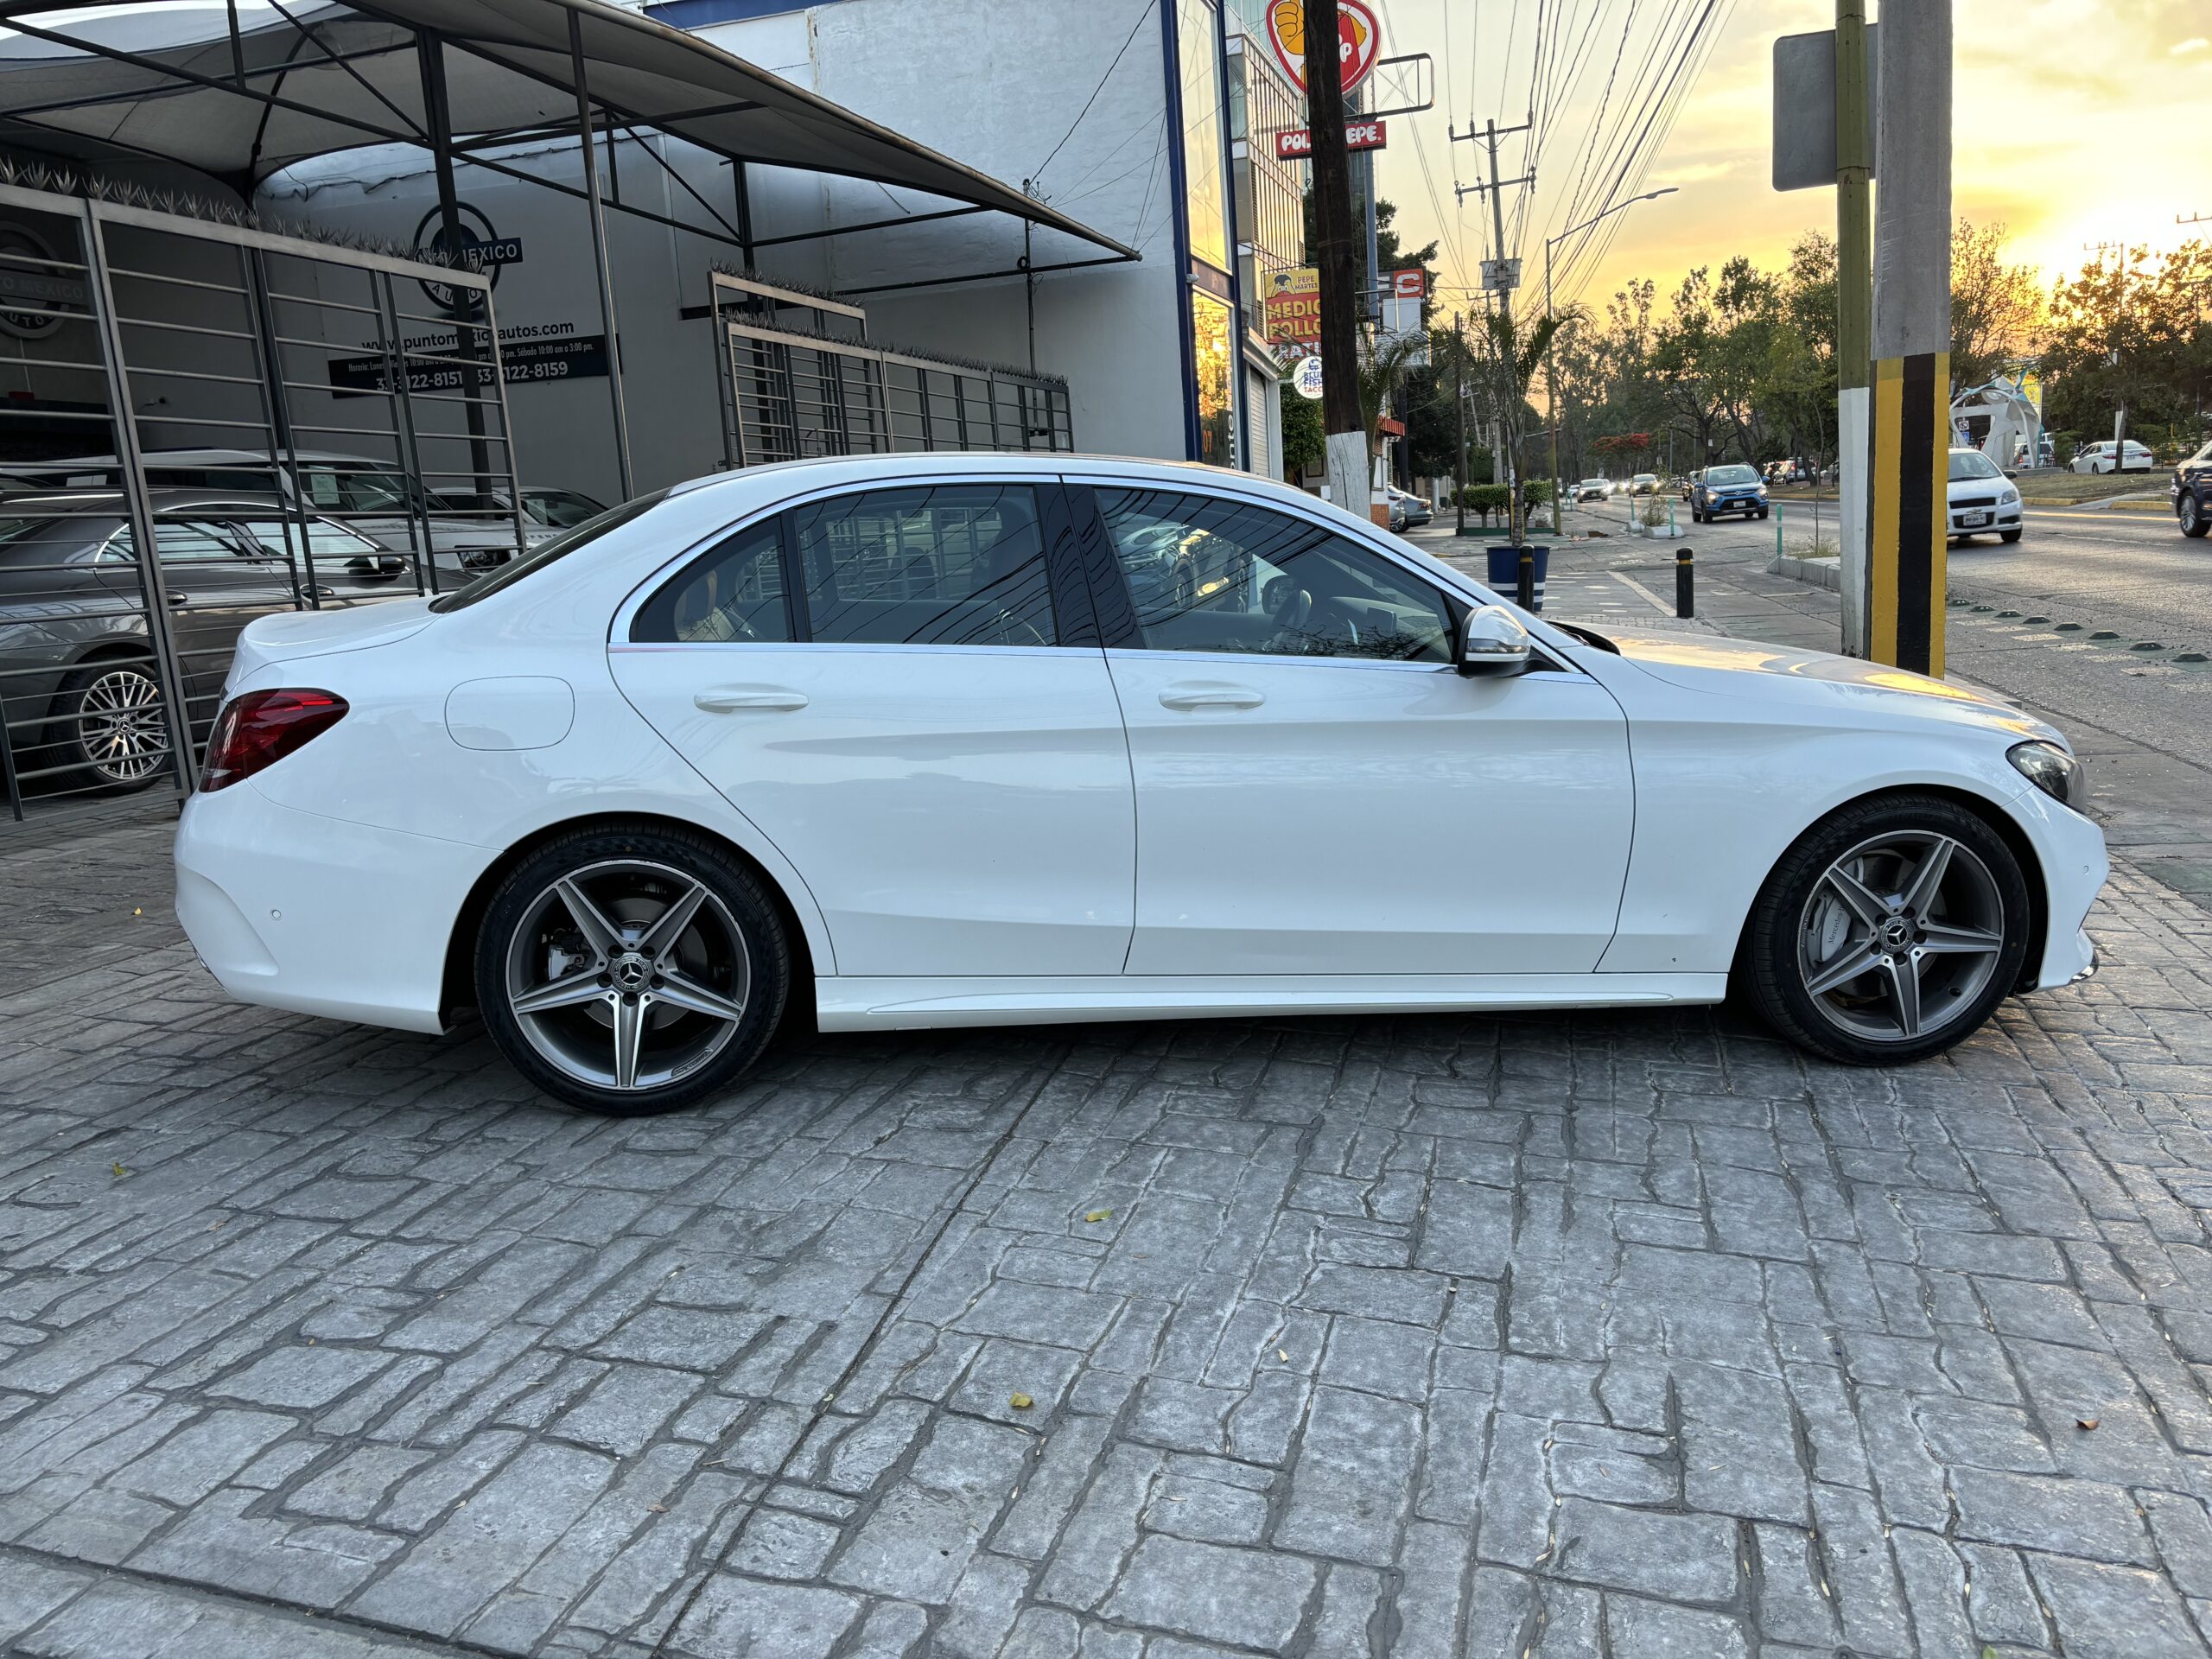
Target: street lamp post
x=1551 y=348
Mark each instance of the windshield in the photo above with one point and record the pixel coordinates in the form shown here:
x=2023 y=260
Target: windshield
x=546 y=552
x=1972 y=463
x=1730 y=475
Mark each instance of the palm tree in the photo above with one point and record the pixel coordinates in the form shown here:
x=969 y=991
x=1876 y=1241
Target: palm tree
x=1514 y=361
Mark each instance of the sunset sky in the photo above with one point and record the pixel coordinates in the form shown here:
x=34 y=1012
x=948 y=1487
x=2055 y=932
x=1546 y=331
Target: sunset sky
x=2076 y=122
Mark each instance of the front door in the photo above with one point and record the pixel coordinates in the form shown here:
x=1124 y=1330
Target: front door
x=888 y=684
x=1318 y=790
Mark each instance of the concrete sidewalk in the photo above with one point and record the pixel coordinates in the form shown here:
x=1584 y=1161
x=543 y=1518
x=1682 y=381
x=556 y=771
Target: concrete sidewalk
x=1632 y=1335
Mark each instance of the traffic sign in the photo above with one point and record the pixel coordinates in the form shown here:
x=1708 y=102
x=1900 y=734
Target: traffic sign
x=1500 y=275
x=1296 y=143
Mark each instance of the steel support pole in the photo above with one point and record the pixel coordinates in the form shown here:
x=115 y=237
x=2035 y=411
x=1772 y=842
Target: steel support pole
x=1854 y=314
x=137 y=501
x=1912 y=340
x=1551 y=386
x=1459 y=420
x=587 y=147
x=430 y=50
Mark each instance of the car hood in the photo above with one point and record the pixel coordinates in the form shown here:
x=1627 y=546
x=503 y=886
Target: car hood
x=1958 y=486
x=287 y=636
x=1845 y=685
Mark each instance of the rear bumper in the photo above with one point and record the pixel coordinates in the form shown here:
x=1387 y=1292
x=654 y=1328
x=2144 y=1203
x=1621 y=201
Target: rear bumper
x=292 y=910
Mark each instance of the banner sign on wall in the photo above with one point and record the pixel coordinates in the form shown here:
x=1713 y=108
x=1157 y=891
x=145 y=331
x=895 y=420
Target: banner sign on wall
x=1292 y=309
x=565 y=357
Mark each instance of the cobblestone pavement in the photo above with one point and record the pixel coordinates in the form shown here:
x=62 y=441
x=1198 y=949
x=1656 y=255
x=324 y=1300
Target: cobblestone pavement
x=1631 y=1335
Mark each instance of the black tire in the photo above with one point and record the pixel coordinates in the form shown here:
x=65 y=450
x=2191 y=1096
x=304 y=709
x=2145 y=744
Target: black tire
x=2194 y=520
x=1697 y=516
x=2008 y=535
x=1761 y=515
x=114 y=734
x=1797 y=908
x=728 y=966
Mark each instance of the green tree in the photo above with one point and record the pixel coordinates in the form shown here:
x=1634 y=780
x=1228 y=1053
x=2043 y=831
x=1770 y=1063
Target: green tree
x=2128 y=334
x=1996 y=309
x=1304 y=443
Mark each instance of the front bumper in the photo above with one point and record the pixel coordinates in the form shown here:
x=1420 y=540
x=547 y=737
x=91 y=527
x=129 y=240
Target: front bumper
x=1985 y=521
x=292 y=910
x=2071 y=850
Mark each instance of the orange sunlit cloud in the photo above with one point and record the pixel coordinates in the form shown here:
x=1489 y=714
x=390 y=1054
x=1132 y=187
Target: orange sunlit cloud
x=2073 y=123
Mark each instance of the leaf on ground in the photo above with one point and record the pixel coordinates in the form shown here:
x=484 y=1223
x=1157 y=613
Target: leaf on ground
x=2087 y=1422
x=657 y=1508
x=1020 y=1401
x=1098 y=1215
x=1283 y=1356
x=120 y=1172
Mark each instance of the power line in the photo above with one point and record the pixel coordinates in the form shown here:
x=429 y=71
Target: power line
x=1144 y=11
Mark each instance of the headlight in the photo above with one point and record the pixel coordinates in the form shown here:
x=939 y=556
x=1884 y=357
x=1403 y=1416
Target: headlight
x=2010 y=498
x=2052 y=770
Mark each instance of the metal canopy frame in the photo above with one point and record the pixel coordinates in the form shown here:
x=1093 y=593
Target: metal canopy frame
x=597 y=115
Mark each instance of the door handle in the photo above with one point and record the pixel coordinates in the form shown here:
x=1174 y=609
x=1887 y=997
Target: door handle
x=728 y=699
x=1204 y=695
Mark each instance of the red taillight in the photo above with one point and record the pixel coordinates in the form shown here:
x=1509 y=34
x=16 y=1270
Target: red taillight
x=261 y=728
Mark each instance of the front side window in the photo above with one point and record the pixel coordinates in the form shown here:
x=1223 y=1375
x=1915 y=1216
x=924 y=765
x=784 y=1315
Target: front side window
x=1216 y=575
x=734 y=594
x=959 y=565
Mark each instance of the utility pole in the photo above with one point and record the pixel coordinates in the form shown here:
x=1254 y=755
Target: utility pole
x=1459 y=417
x=1854 y=315
x=1911 y=339
x=1347 y=462
x=1509 y=393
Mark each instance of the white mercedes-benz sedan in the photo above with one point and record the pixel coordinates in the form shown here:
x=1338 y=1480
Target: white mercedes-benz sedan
x=964 y=740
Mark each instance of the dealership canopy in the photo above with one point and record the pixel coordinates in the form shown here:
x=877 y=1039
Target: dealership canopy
x=238 y=92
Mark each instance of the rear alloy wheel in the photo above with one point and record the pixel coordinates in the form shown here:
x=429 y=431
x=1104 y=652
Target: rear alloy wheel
x=1889 y=932
x=2195 y=521
x=631 y=972
x=117 y=732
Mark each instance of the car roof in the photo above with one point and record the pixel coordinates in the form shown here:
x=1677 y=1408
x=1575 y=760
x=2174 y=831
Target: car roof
x=116 y=504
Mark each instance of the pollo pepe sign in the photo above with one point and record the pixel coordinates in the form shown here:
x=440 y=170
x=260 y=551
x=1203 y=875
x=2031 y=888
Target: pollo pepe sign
x=1292 y=310
x=1359 y=39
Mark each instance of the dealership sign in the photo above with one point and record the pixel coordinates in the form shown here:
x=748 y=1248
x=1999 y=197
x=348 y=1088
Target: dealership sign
x=483 y=251
x=1296 y=143
x=1359 y=39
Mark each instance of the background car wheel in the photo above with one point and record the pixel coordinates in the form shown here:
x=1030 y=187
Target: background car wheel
x=2195 y=521
x=2008 y=534
x=1761 y=515
x=1888 y=932
x=631 y=971
x=118 y=734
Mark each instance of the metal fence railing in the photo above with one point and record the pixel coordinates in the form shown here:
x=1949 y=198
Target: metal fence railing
x=210 y=422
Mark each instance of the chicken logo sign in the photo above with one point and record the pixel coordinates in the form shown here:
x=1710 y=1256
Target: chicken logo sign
x=1359 y=39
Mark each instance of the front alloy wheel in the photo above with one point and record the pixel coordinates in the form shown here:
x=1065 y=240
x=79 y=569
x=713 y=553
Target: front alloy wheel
x=2194 y=519
x=631 y=973
x=1888 y=932
x=118 y=729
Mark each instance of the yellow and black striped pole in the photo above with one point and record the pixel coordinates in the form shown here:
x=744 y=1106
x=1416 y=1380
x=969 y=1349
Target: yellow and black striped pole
x=1908 y=518
x=1912 y=428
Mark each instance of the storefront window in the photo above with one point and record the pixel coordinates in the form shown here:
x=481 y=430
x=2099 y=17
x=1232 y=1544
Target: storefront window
x=1198 y=39
x=1213 y=352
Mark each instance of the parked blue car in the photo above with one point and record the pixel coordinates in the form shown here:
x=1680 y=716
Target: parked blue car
x=1719 y=490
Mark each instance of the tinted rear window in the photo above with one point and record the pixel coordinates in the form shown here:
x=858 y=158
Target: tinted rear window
x=546 y=553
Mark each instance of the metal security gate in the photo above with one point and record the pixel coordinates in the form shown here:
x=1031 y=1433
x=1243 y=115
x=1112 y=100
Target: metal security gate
x=309 y=426
x=822 y=389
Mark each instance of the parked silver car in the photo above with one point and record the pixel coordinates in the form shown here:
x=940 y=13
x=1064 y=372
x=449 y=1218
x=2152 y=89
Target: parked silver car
x=79 y=692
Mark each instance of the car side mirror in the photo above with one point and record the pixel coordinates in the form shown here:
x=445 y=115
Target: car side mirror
x=1491 y=641
x=2009 y=472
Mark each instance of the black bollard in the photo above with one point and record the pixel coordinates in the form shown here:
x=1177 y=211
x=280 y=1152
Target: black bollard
x=1526 y=595
x=1685 y=585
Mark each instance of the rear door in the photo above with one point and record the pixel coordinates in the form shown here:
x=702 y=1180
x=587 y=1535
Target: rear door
x=904 y=689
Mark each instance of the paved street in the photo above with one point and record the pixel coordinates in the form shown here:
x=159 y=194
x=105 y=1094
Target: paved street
x=1634 y=1335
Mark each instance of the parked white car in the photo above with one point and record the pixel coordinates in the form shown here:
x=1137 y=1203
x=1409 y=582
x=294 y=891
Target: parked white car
x=970 y=740
x=1981 y=499
x=2098 y=458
